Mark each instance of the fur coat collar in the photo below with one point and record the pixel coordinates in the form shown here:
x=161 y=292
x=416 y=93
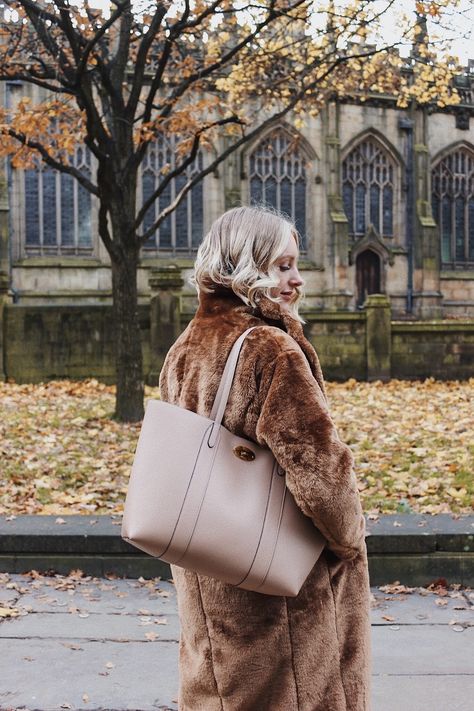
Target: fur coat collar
x=224 y=303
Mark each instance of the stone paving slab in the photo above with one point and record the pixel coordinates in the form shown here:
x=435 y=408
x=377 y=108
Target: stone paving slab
x=119 y=627
x=53 y=659
x=422 y=693
x=6 y=596
x=406 y=609
x=107 y=596
x=427 y=650
x=50 y=675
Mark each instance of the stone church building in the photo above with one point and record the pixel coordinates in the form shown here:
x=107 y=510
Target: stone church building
x=383 y=199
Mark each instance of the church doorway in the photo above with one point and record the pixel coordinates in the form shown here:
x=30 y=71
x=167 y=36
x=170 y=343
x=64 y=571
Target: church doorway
x=368 y=276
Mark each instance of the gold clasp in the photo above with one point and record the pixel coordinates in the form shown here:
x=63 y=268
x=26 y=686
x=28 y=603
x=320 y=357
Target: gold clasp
x=244 y=453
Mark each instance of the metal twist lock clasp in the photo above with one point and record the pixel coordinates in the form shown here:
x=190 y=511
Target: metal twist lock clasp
x=244 y=453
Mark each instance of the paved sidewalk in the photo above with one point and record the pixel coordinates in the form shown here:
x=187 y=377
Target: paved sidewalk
x=94 y=643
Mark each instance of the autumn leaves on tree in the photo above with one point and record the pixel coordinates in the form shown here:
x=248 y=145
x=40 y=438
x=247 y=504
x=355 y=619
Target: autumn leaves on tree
x=211 y=74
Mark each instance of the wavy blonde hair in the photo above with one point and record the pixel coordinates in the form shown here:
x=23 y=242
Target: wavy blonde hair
x=240 y=252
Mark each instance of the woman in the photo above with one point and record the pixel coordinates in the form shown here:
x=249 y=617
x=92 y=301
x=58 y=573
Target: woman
x=240 y=650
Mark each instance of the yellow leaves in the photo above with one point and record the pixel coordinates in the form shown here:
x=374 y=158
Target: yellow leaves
x=186 y=67
x=266 y=73
x=84 y=467
x=55 y=123
x=457 y=493
x=146 y=132
x=428 y=8
x=8 y=612
x=23 y=105
x=70 y=461
x=427 y=468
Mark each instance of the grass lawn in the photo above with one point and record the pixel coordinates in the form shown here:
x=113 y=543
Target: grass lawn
x=413 y=444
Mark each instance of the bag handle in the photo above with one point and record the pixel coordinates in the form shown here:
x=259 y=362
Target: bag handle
x=220 y=401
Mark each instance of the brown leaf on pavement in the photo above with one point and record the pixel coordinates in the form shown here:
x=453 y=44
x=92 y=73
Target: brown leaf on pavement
x=151 y=636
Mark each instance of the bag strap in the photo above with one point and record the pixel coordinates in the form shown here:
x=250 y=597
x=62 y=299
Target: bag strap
x=220 y=401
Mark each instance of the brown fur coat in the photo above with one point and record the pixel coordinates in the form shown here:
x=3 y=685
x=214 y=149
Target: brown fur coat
x=244 y=651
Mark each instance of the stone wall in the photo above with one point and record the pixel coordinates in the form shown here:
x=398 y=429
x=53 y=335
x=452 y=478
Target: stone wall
x=49 y=342
x=339 y=340
x=52 y=341
x=438 y=349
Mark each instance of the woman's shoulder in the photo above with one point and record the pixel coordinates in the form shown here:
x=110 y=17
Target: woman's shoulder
x=269 y=342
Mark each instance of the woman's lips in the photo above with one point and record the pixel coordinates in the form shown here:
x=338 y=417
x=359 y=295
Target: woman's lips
x=286 y=295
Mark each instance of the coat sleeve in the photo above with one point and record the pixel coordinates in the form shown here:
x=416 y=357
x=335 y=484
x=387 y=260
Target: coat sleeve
x=295 y=423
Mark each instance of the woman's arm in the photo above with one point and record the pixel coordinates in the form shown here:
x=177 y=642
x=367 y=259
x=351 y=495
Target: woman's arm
x=295 y=424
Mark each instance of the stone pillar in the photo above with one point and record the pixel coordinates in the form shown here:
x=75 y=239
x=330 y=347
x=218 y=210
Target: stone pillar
x=166 y=284
x=4 y=261
x=231 y=169
x=378 y=336
x=427 y=296
x=338 y=294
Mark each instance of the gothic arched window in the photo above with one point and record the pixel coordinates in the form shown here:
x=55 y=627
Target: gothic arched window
x=277 y=177
x=453 y=206
x=57 y=209
x=368 y=183
x=182 y=230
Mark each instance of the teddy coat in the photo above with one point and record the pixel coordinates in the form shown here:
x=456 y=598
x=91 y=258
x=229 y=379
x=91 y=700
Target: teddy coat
x=246 y=651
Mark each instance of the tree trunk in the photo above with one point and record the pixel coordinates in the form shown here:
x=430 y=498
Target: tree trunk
x=128 y=349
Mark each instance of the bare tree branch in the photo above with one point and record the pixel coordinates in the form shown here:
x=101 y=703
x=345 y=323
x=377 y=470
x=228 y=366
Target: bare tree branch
x=38 y=17
x=104 y=229
x=96 y=39
x=32 y=79
x=246 y=138
x=181 y=167
x=142 y=55
x=68 y=29
x=53 y=162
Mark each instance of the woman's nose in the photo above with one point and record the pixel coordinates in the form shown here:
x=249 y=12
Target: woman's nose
x=296 y=279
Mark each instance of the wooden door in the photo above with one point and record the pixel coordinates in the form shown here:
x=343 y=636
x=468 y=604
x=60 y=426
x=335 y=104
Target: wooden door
x=367 y=275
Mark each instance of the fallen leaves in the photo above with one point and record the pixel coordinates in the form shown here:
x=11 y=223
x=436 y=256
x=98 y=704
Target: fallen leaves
x=151 y=636
x=83 y=591
x=439 y=588
x=412 y=442
x=396 y=588
x=63 y=453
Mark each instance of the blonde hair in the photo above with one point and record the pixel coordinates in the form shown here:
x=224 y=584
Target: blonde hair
x=240 y=251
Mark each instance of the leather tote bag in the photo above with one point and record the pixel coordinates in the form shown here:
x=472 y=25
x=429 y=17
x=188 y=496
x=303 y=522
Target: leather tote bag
x=204 y=499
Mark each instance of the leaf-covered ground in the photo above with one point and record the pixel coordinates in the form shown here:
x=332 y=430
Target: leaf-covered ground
x=62 y=453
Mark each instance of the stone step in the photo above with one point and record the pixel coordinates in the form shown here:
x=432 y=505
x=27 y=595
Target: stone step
x=415 y=549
